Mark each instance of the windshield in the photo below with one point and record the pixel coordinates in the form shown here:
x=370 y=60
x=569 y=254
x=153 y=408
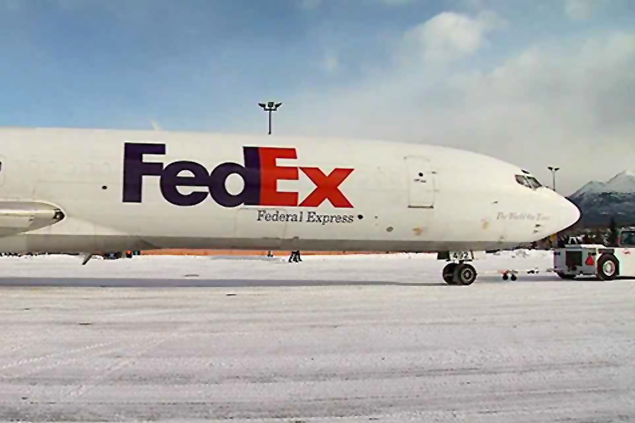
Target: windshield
x=534 y=182
x=628 y=238
x=523 y=181
x=528 y=181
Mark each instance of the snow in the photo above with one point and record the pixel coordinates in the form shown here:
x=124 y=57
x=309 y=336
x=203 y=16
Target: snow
x=593 y=187
x=623 y=183
x=410 y=268
x=344 y=338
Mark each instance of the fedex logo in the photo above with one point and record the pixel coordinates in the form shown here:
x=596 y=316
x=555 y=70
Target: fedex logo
x=260 y=174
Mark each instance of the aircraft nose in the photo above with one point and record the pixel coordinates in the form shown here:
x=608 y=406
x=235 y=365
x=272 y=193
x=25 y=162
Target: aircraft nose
x=569 y=214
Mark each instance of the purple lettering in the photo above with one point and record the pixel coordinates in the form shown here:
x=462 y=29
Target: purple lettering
x=171 y=180
x=250 y=173
x=134 y=169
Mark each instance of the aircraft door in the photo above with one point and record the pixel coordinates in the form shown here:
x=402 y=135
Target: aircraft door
x=3 y=171
x=421 y=182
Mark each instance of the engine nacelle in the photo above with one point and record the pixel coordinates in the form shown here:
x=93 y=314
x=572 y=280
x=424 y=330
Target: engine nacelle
x=18 y=217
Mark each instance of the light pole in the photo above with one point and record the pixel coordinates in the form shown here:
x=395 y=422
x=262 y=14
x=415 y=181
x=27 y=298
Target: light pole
x=553 y=174
x=270 y=107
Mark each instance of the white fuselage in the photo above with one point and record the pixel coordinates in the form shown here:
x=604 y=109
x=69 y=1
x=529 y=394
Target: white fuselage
x=122 y=190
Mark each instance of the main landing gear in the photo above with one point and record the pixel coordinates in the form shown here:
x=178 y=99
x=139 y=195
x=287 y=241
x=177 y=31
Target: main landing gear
x=459 y=274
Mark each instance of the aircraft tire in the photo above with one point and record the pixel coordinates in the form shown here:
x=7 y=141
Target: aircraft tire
x=464 y=274
x=608 y=267
x=448 y=273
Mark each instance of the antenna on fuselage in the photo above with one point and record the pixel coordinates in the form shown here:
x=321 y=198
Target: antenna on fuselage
x=155 y=125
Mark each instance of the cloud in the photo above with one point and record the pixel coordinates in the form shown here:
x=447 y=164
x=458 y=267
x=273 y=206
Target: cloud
x=449 y=36
x=581 y=9
x=568 y=105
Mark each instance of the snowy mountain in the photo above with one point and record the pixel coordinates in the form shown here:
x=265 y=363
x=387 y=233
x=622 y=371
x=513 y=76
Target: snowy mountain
x=621 y=183
x=599 y=201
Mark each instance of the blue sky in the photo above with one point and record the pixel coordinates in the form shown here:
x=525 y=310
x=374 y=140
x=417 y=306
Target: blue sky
x=527 y=81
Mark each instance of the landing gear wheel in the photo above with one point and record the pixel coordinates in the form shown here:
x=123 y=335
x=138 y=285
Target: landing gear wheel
x=608 y=267
x=566 y=277
x=448 y=273
x=464 y=274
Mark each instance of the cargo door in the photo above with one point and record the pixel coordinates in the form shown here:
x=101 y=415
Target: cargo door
x=421 y=183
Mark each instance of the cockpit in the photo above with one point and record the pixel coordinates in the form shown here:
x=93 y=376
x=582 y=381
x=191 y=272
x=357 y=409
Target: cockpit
x=527 y=180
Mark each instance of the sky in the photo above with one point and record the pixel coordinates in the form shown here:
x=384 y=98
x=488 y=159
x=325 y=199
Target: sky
x=537 y=83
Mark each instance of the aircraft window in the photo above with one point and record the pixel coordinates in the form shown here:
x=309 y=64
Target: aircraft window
x=523 y=181
x=535 y=184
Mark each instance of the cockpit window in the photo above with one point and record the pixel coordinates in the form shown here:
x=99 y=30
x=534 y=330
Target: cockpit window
x=528 y=181
x=535 y=184
x=523 y=181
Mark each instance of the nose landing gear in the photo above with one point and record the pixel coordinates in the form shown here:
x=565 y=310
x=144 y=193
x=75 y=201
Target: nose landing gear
x=459 y=274
x=458 y=271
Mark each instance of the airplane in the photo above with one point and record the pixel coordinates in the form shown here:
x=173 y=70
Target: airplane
x=93 y=190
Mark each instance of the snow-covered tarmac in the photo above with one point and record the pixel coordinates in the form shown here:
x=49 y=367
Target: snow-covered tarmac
x=371 y=338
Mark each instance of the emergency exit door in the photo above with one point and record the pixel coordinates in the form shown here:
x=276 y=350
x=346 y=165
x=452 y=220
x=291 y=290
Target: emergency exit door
x=421 y=182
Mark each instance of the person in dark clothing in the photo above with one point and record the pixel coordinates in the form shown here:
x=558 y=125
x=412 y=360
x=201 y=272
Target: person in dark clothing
x=295 y=257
